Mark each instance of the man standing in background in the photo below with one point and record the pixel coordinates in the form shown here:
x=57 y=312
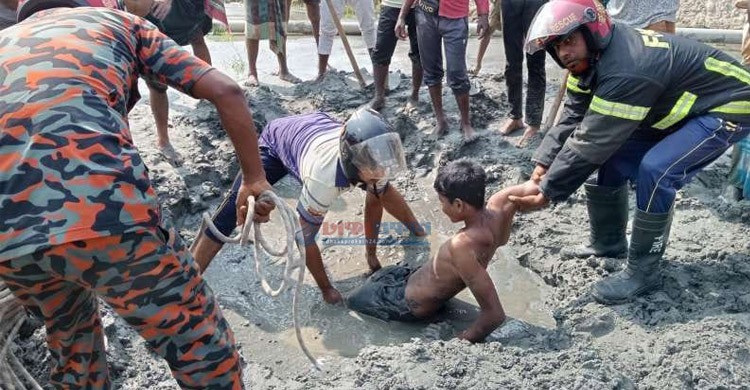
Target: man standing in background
x=517 y=16
x=386 y=45
x=445 y=25
x=365 y=11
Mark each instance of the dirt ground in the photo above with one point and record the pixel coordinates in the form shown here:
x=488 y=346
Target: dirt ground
x=695 y=333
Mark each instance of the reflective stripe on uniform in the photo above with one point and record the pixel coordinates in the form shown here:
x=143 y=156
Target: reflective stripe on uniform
x=738 y=107
x=572 y=85
x=731 y=70
x=679 y=111
x=727 y=69
x=618 y=110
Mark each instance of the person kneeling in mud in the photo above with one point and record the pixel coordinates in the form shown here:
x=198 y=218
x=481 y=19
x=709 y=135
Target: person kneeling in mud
x=400 y=293
x=328 y=158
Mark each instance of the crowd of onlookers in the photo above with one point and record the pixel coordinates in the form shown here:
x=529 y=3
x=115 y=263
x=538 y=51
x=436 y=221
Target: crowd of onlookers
x=435 y=26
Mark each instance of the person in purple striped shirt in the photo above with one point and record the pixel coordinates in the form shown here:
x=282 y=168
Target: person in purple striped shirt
x=329 y=158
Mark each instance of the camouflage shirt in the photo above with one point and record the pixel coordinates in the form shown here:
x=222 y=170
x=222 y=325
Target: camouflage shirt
x=68 y=167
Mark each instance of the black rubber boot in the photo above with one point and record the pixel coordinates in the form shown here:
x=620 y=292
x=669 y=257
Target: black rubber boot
x=643 y=273
x=608 y=217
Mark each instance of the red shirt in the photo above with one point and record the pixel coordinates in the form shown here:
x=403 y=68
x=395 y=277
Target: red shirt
x=457 y=9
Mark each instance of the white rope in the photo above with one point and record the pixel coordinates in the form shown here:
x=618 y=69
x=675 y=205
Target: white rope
x=294 y=261
x=12 y=317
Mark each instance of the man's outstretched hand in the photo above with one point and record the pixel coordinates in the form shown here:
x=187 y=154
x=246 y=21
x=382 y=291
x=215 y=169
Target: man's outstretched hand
x=529 y=196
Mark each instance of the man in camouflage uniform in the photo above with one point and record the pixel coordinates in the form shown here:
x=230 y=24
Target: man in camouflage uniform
x=80 y=219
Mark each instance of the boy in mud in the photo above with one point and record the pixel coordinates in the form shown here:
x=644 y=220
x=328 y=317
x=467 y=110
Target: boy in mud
x=400 y=293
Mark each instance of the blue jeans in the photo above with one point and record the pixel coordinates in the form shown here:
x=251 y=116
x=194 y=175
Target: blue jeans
x=660 y=167
x=433 y=32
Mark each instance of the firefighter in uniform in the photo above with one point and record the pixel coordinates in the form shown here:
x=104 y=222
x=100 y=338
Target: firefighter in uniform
x=643 y=107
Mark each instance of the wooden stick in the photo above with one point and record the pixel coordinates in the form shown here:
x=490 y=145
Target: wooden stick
x=553 y=111
x=345 y=41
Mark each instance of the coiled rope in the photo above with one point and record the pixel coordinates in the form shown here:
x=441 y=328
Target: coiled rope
x=295 y=260
x=12 y=373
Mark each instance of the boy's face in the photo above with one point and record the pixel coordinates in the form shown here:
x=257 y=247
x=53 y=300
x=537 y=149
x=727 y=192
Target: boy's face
x=451 y=209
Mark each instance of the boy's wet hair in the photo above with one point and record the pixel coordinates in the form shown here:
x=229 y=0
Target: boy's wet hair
x=462 y=179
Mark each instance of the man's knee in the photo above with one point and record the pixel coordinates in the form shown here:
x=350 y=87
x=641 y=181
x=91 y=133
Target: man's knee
x=432 y=79
x=380 y=55
x=459 y=82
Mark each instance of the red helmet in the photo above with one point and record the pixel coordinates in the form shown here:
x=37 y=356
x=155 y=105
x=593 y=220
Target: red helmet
x=27 y=8
x=559 y=18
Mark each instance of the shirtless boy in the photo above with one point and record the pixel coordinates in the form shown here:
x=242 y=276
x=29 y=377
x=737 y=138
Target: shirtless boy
x=400 y=293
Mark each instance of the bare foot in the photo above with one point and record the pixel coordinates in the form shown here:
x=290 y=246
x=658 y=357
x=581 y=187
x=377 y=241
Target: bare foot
x=171 y=155
x=528 y=133
x=320 y=78
x=288 y=77
x=332 y=296
x=469 y=133
x=251 y=81
x=441 y=128
x=476 y=70
x=510 y=126
x=377 y=103
x=413 y=102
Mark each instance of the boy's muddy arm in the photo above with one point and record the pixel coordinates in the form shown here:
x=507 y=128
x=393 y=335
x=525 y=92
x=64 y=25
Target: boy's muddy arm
x=501 y=201
x=373 y=217
x=480 y=284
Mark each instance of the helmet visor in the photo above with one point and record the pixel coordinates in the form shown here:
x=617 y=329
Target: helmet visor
x=379 y=157
x=554 y=20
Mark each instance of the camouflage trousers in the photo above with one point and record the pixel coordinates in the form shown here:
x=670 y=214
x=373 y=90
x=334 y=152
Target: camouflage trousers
x=151 y=281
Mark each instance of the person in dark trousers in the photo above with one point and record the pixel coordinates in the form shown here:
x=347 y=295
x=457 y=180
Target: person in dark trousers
x=385 y=45
x=517 y=16
x=653 y=109
x=445 y=25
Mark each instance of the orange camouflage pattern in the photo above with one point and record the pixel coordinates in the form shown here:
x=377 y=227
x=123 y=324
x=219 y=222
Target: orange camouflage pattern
x=80 y=219
x=152 y=284
x=68 y=167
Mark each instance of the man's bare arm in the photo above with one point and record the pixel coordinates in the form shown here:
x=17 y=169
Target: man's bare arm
x=395 y=204
x=314 y=261
x=373 y=217
x=480 y=284
x=230 y=102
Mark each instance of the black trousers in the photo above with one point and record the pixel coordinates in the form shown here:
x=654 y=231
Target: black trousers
x=517 y=17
